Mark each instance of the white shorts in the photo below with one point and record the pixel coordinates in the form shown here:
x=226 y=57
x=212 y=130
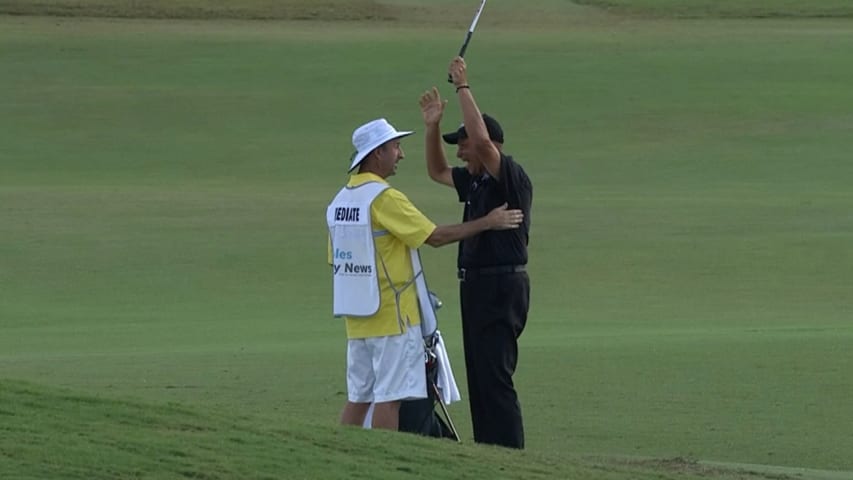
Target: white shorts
x=386 y=369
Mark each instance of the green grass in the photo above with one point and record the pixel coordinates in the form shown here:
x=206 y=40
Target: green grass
x=162 y=185
x=204 y=9
x=53 y=433
x=727 y=8
x=442 y=12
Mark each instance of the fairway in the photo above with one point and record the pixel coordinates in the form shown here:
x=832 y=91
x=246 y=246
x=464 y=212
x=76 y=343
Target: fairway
x=163 y=184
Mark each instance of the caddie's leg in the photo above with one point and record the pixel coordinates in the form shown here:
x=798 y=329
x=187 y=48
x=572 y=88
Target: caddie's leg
x=353 y=413
x=386 y=415
x=398 y=362
x=360 y=382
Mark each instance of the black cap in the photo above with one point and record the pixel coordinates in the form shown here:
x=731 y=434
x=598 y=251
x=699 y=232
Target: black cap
x=496 y=133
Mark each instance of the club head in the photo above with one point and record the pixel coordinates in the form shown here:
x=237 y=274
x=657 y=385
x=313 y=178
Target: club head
x=436 y=302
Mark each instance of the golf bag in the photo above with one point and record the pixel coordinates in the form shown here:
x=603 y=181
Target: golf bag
x=420 y=416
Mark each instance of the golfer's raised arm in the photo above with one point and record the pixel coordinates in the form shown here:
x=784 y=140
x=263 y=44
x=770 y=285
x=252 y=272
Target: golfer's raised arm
x=478 y=136
x=432 y=108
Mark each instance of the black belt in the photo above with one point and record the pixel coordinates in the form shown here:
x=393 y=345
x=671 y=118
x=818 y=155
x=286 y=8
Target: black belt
x=468 y=273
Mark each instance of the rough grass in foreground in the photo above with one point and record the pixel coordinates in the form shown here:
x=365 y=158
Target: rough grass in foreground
x=53 y=433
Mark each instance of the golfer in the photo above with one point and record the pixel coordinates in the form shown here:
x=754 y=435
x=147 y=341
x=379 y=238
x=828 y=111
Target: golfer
x=494 y=287
x=374 y=231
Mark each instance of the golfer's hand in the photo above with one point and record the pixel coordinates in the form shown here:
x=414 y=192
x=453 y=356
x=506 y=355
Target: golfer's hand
x=458 y=71
x=432 y=106
x=503 y=219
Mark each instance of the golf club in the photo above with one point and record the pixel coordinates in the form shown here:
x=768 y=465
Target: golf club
x=453 y=431
x=469 y=34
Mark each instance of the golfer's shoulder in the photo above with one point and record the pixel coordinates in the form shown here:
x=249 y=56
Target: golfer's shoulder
x=509 y=161
x=512 y=168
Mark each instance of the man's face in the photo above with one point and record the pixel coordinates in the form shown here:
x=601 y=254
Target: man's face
x=464 y=153
x=388 y=155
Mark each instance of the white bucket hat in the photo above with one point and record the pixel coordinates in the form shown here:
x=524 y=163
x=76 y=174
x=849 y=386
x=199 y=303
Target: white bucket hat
x=371 y=135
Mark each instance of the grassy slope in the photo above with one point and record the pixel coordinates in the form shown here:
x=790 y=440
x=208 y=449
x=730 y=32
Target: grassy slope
x=153 y=179
x=51 y=433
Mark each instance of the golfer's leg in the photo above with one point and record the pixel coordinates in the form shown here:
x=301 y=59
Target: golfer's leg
x=482 y=418
x=476 y=395
x=468 y=299
x=503 y=412
x=498 y=358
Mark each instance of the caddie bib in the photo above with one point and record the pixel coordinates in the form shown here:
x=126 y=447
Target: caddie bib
x=354 y=271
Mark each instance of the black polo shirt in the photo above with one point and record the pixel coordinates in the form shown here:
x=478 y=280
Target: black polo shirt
x=481 y=195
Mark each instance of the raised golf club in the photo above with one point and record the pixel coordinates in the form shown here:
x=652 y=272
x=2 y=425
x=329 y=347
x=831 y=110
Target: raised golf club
x=469 y=34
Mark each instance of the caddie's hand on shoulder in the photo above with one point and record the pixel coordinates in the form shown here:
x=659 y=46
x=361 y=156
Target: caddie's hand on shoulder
x=432 y=106
x=501 y=218
x=458 y=71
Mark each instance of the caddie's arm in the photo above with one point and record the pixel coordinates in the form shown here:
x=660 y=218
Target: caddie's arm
x=498 y=219
x=478 y=137
x=432 y=109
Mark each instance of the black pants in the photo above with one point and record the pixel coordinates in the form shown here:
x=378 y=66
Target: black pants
x=494 y=312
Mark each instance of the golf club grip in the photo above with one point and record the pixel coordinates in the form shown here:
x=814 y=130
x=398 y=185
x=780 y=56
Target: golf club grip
x=461 y=52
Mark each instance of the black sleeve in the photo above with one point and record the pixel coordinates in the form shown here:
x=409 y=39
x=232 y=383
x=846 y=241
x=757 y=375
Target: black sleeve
x=514 y=183
x=461 y=182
